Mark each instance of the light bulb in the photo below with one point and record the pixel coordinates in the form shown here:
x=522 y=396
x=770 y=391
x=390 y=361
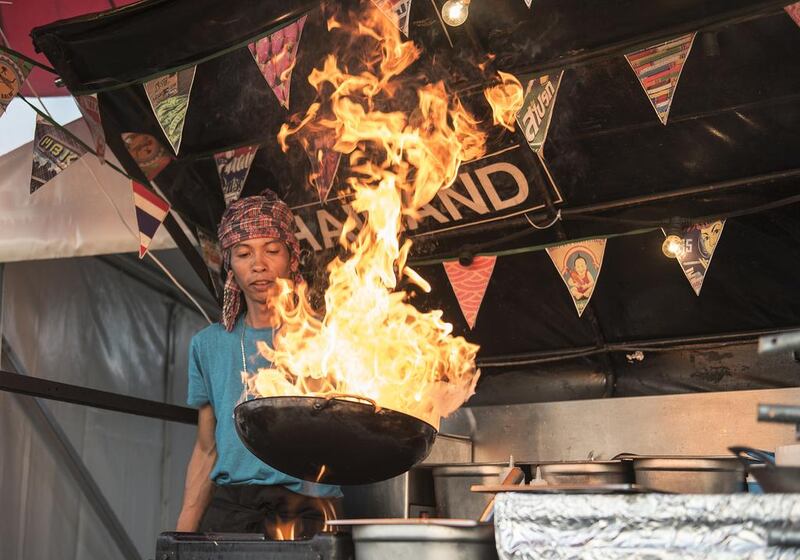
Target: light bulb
x=672 y=246
x=455 y=12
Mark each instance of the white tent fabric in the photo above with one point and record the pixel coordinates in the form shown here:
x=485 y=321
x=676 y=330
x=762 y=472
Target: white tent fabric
x=70 y=216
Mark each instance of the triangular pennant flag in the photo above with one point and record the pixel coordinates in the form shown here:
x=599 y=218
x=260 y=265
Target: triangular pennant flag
x=659 y=68
x=149 y=154
x=151 y=210
x=528 y=3
x=324 y=161
x=397 y=11
x=276 y=55
x=794 y=12
x=699 y=243
x=469 y=284
x=53 y=151
x=13 y=73
x=212 y=254
x=579 y=266
x=169 y=98
x=536 y=112
x=233 y=167
x=90 y=109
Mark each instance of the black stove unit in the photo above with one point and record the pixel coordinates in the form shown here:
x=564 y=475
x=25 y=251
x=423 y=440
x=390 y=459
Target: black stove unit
x=245 y=546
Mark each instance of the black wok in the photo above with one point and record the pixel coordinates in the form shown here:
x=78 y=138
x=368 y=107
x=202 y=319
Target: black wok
x=332 y=440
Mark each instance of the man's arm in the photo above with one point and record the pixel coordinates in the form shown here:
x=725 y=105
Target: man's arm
x=199 y=488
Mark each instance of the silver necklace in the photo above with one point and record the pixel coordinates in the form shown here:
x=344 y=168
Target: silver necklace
x=241 y=341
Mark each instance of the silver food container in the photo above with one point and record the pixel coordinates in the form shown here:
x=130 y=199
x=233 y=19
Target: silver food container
x=424 y=541
x=587 y=473
x=452 y=483
x=690 y=475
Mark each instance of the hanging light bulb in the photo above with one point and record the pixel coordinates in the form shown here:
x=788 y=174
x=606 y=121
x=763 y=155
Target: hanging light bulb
x=455 y=12
x=672 y=247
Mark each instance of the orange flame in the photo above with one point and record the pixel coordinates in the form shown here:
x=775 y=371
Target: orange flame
x=505 y=99
x=296 y=527
x=371 y=342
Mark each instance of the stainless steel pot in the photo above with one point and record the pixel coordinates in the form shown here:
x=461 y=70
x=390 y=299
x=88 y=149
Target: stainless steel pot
x=421 y=539
x=451 y=486
x=690 y=475
x=587 y=473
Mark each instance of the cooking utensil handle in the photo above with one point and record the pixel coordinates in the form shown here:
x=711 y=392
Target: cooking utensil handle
x=746 y=454
x=785 y=414
x=345 y=396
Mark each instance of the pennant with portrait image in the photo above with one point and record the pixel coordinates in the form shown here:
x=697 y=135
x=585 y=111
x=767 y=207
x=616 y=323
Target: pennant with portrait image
x=276 y=55
x=579 y=265
x=53 y=151
x=324 y=160
x=233 y=166
x=209 y=247
x=469 y=284
x=699 y=243
x=536 y=112
x=90 y=109
x=659 y=68
x=169 y=98
x=794 y=12
x=13 y=73
x=151 y=210
x=397 y=11
x=149 y=154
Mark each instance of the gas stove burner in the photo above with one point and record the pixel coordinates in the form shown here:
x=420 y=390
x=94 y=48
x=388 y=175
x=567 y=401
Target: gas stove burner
x=245 y=546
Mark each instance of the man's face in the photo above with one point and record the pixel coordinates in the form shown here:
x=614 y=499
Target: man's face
x=256 y=263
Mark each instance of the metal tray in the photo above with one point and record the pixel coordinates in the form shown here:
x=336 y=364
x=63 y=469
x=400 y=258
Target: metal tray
x=564 y=489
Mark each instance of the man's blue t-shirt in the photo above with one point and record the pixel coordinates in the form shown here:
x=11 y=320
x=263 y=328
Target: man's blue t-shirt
x=215 y=365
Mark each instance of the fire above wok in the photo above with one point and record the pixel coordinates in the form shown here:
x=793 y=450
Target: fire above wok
x=333 y=439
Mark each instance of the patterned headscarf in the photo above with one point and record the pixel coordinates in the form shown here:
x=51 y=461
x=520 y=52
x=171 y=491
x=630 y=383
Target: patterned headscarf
x=248 y=218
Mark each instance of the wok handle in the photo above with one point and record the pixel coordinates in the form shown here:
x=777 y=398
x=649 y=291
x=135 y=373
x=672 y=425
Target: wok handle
x=747 y=454
x=345 y=396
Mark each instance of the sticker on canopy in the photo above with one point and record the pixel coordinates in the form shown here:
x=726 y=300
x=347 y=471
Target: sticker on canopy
x=212 y=255
x=276 y=55
x=90 y=109
x=659 y=68
x=53 y=151
x=699 y=243
x=13 y=73
x=324 y=161
x=169 y=98
x=536 y=112
x=469 y=284
x=233 y=167
x=151 y=210
x=397 y=11
x=149 y=154
x=794 y=12
x=579 y=266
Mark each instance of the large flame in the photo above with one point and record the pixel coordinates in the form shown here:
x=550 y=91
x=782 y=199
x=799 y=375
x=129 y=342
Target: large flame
x=405 y=138
x=505 y=99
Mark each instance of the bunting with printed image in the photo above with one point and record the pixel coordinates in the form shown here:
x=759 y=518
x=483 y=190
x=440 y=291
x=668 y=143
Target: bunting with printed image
x=397 y=11
x=276 y=55
x=151 y=210
x=469 y=284
x=90 y=109
x=149 y=154
x=699 y=243
x=324 y=160
x=53 y=151
x=794 y=12
x=659 y=68
x=579 y=265
x=528 y=3
x=209 y=247
x=169 y=98
x=233 y=167
x=536 y=112
x=13 y=73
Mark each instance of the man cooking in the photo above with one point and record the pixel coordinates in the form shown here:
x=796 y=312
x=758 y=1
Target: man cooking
x=227 y=488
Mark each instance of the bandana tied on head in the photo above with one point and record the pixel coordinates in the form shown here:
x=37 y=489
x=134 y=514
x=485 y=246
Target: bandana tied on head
x=248 y=218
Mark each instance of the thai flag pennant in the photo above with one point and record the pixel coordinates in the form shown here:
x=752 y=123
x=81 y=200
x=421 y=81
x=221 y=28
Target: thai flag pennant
x=233 y=166
x=276 y=55
x=151 y=210
x=13 y=73
x=90 y=109
x=469 y=284
x=579 y=265
x=397 y=11
x=169 y=98
x=794 y=12
x=659 y=68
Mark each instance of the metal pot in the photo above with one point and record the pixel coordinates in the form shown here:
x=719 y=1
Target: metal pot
x=451 y=486
x=690 y=475
x=422 y=539
x=587 y=473
x=771 y=478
